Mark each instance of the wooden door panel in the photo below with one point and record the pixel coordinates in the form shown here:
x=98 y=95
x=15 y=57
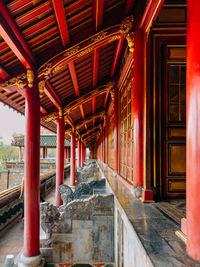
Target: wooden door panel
x=176 y=159
x=174 y=125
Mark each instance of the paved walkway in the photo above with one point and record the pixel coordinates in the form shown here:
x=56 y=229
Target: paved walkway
x=11 y=242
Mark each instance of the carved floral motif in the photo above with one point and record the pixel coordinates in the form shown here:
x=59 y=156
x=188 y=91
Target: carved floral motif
x=99 y=36
x=20 y=81
x=41 y=85
x=71 y=51
x=127 y=24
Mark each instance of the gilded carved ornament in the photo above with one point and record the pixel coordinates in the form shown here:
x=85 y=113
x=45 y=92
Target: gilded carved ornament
x=110 y=85
x=130 y=40
x=127 y=24
x=41 y=86
x=71 y=51
x=99 y=36
x=30 y=78
x=60 y=113
x=19 y=81
x=112 y=94
x=47 y=68
x=85 y=51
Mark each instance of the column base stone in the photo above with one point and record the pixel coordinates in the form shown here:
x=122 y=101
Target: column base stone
x=147 y=196
x=182 y=234
x=36 y=261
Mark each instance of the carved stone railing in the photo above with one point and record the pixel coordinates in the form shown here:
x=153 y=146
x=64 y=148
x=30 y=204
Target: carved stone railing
x=81 y=232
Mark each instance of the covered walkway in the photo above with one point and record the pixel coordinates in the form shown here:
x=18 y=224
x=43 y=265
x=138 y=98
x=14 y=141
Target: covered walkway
x=157 y=243
x=110 y=77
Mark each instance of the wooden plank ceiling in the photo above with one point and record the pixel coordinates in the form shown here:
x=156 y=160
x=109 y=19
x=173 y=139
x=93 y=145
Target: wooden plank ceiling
x=35 y=34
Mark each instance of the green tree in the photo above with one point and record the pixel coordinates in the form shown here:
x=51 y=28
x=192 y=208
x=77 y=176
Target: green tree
x=8 y=152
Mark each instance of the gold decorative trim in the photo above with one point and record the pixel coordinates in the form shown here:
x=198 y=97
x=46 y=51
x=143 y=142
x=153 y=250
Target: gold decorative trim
x=19 y=81
x=47 y=69
x=71 y=51
x=125 y=27
x=99 y=36
x=41 y=86
x=60 y=113
x=85 y=51
x=30 y=78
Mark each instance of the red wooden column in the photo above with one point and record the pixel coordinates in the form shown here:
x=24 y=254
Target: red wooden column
x=73 y=160
x=116 y=128
x=79 y=152
x=43 y=153
x=65 y=152
x=32 y=172
x=85 y=159
x=193 y=129
x=60 y=157
x=138 y=73
x=20 y=153
x=82 y=154
x=106 y=138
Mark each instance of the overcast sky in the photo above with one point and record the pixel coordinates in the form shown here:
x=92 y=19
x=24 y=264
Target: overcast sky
x=10 y=122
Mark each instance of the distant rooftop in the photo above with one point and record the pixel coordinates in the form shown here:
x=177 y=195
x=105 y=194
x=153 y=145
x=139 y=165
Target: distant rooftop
x=45 y=141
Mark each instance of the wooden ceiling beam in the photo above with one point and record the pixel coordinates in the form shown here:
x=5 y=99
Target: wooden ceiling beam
x=50 y=92
x=14 y=38
x=88 y=119
x=129 y=6
x=3 y=74
x=93 y=105
x=70 y=120
x=90 y=130
x=151 y=12
x=43 y=110
x=70 y=55
x=61 y=21
x=98 y=6
x=95 y=59
x=106 y=99
x=118 y=50
x=82 y=111
x=74 y=77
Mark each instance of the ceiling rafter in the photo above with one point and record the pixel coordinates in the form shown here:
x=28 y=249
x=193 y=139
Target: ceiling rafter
x=74 y=77
x=82 y=111
x=83 y=99
x=14 y=38
x=89 y=130
x=50 y=92
x=129 y=6
x=88 y=119
x=3 y=74
x=106 y=99
x=109 y=35
x=61 y=21
x=118 y=50
x=90 y=136
x=98 y=6
x=151 y=12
